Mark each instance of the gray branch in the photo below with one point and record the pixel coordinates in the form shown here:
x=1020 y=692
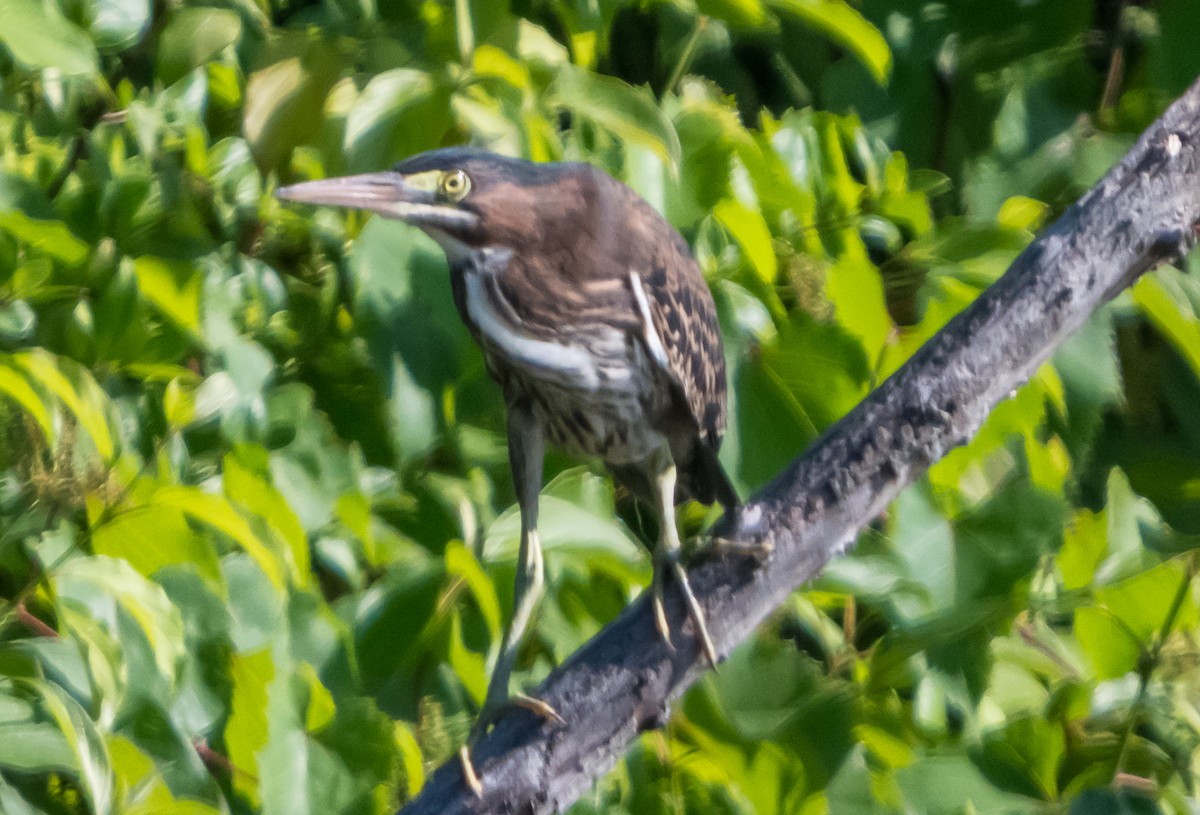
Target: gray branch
x=1142 y=213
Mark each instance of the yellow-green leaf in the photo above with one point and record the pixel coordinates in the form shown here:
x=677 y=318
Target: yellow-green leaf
x=846 y=26
x=89 y=407
x=38 y=35
x=218 y=513
x=173 y=286
x=627 y=112
x=252 y=492
x=246 y=731
x=152 y=536
x=51 y=238
x=14 y=385
x=751 y=232
x=1168 y=309
x=461 y=563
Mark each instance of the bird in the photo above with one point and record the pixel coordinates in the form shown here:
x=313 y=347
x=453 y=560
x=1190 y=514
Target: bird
x=594 y=318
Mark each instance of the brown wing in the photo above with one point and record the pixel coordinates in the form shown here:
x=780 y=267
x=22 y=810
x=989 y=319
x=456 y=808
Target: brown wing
x=684 y=321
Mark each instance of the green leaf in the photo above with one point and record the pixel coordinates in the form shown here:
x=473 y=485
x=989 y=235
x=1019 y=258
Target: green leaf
x=153 y=536
x=320 y=708
x=11 y=802
x=41 y=37
x=462 y=564
x=247 y=730
x=284 y=102
x=217 y=512
x=846 y=26
x=1162 y=299
x=192 y=37
x=575 y=522
x=117 y=23
x=95 y=583
x=736 y=13
x=1111 y=647
x=17 y=321
x=629 y=113
x=85 y=741
x=1144 y=602
x=856 y=291
x=179 y=402
x=1030 y=748
x=34 y=746
x=15 y=386
x=751 y=232
x=379 y=127
x=89 y=403
x=51 y=238
x=246 y=485
x=950 y=783
x=173 y=287
x=1083 y=549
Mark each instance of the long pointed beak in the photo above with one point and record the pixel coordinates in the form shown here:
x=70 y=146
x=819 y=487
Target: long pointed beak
x=388 y=194
x=378 y=192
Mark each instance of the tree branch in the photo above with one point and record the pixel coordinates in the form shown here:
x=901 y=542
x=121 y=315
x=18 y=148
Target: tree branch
x=1142 y=213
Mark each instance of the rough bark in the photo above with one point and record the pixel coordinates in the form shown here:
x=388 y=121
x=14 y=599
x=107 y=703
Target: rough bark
x=1142 y=213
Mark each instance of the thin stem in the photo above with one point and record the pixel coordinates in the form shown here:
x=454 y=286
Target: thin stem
x=1150 y=659
x=685 y=56
x=464 y=30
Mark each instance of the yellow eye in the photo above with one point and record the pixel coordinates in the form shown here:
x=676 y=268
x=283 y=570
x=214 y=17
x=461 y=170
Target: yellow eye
x=455 y=185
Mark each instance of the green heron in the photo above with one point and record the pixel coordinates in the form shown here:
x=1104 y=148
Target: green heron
x=596 y=322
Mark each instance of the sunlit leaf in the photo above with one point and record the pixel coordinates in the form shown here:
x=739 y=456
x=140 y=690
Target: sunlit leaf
x=248 y=488
x=52 y=238
x=153 y=536
x=118 y=23
x=193 y=36
x=41 y=37
x=750 y=231
x=749 y=13
x=16 y=387
x=844 y=24
x=379 y=127
x=96 y=582
x=217 y=512
x=172 y=286
x=1167 y=307
x=88 y=403
x=626 y=111
x=246 y=732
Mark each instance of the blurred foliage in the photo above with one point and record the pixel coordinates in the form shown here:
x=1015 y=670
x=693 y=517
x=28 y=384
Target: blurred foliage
x=256 y=526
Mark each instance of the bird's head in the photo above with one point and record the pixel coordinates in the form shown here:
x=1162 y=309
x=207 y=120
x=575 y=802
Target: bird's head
x=466 y=199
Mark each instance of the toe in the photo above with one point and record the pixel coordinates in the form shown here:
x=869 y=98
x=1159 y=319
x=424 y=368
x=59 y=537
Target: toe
x=541 y=708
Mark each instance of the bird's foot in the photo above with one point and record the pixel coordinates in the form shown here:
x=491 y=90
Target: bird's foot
x=538 y=707
x=486 y=717
x=730 y=546
x=670 y=558
x=492 y=712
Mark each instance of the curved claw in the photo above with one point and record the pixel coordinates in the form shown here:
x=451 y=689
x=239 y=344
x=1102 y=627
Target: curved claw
x=697 y=615
x=469 y=774
x=538 y=707
x=660 y=611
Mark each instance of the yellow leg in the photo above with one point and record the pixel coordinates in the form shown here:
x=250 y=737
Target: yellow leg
x=526 y=447
x=668 y=553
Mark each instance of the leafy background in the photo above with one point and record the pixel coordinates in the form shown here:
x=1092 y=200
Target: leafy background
x=256 y=527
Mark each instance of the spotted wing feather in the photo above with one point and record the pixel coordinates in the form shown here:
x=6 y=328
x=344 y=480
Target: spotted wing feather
x=684 y=322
